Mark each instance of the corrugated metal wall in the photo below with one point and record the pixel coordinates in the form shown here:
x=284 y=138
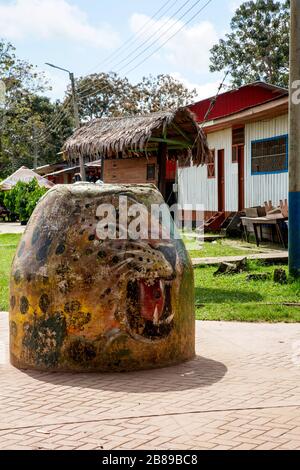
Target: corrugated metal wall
x=261 y=188
x=196 y=188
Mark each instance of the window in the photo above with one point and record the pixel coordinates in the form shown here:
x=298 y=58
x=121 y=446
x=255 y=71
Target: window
x=269 y=155
x=238 y=136
x=211 y=166
x=151 y=171
x=238 y=140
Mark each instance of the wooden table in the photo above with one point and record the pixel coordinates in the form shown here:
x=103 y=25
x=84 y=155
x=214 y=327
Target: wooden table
x=260 y=222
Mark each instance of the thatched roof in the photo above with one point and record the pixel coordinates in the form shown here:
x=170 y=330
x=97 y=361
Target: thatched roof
x=129 y=136
x=25 y=175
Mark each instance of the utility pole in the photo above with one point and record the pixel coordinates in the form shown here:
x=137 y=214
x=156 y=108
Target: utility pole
x=35 y=147
x=294 y=142
x=75 y=111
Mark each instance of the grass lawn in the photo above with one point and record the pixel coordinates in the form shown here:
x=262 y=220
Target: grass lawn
x=8 y=245
x=229 y=298
x=233 y=298
x=223 y=247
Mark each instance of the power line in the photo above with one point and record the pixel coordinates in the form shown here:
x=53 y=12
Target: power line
x=214 y=100
x=153 y=42
x=163 y=44
x=132 y=38
x=126 y=43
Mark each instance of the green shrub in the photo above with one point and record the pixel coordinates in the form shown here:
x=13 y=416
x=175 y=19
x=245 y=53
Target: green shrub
x=2 y=198
x=23 y=198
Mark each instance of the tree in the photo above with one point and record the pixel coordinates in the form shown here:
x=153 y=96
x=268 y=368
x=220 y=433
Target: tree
x=25 y=113
x=104 y=95
x=108 y=95
x=258 y=46
x=162 y=93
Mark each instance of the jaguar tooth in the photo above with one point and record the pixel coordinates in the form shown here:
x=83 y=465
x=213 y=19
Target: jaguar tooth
x=156 y=316
x=170 y=318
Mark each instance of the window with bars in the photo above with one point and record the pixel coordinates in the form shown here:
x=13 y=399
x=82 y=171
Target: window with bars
x=211 y=165
x=269 y=155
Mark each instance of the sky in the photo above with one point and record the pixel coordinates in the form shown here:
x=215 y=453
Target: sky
x=89 y=36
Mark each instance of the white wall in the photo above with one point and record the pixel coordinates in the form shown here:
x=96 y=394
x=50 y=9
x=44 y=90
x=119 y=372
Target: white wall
x=196 y=188
x=261 y=188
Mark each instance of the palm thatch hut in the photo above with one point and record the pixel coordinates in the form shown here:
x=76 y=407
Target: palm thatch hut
x=25 y=175
x=140 y=149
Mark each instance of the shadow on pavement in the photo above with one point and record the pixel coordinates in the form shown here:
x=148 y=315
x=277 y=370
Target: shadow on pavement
x=199 y=373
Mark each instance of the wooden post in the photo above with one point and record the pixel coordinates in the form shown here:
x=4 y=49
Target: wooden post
x=162 y=167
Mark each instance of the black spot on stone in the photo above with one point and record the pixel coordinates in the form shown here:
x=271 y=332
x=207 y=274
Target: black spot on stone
x=87 y=206
x=13 y=329
x=12 y=302
x=44 y=303
x=62 y=270
x=115 y=260
x=43 y=251
x=44 y=338
x=24 y=305
x=82 y=352
x=21 y=249
x=60 y=249
x=88 y=279
x=169 y=253
x=89 y=252
x=30 y=277
x=17 y=277
x=35 y=236
x=101 y=254
x=92 y=238
x=72 y=307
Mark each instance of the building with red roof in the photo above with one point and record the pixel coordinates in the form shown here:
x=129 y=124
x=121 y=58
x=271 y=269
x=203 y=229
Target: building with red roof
x=247 y=132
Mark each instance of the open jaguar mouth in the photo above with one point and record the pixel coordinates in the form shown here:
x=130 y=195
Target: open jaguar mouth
x=149 y=309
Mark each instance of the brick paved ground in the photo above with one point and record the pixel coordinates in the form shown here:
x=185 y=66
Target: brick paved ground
x=242 y=392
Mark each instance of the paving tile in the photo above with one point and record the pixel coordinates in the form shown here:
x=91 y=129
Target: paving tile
x=241 y=392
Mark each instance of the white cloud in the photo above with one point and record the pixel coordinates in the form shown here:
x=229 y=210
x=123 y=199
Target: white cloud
x=189 y=49
x=203 y=91
x=53 y=19
x=58 y=82
x=235 y=4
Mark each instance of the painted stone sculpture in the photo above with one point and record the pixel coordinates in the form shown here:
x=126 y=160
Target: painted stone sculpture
x=79 y=302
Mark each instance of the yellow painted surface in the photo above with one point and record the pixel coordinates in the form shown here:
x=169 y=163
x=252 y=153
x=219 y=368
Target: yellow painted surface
x=75 y=301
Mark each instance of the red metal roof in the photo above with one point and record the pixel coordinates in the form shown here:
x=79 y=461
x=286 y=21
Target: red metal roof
x=238 y=100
